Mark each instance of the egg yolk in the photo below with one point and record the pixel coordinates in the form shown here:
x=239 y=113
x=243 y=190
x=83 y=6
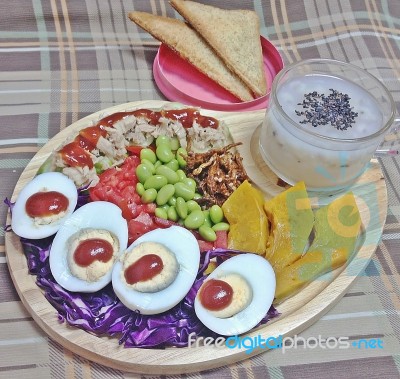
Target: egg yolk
x=44 y=204
x=216 y=294
x=145 y=268
x=93 y=249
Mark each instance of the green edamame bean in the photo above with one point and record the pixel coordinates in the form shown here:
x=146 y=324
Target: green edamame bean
x=173 y=164
x=149 y=164
x=221 y=226
x=172 y=201
x=170 y=174
x=197 y=196
x=143 y=172
x=216 y=214
x=182 y=190
x=181 y=174
x=181 y=155
x=157 y=164
x=207 y=220
x=172 y=214
x=164 y=153
x=194 y=220
x=149 y=195
x=175 y=145
x=192 y=206
x=162 y=213
x=181 y=207
x=207 y=233
x=155 y=181
x=163 y=140
x=191 y=183
x=148 y=154
x=165 y=193
x=140 y=189
x=164 y=206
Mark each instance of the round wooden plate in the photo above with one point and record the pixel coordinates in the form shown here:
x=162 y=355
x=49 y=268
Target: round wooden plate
x=297 y=313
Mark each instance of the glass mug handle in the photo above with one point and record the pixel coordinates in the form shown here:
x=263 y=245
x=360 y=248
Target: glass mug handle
x=391 y=143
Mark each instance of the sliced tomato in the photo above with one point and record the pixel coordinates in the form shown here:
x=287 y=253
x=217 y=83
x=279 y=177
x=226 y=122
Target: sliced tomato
x=205 y=245
x=135 y=150
x=222 y=240
x=118 y=186
x=136 y=229
x=162 y=223
x=145 y=219
x=129 y=210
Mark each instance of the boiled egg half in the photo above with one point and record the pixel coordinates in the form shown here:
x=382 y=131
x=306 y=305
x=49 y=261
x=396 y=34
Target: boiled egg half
x=87 y=245
x=236 y=295
x=43 y=204
x=157 y=271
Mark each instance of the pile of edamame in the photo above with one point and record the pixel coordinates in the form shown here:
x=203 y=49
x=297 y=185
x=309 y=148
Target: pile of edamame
x=162 y=180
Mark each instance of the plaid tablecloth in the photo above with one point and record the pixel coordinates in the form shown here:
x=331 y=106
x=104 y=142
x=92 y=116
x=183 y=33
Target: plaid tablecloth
x=61 y=60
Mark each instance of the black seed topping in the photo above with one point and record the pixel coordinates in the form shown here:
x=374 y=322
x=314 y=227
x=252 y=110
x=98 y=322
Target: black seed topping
x=333 y=109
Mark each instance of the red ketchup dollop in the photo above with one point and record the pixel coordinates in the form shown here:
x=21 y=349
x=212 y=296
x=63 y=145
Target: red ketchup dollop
x=93 y=249
x=145 y=268
x=46 y=203
x=216 y=295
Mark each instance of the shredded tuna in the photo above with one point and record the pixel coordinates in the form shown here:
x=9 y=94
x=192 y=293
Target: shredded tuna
x=203 y=139
x=131 y=130
x=82 y=176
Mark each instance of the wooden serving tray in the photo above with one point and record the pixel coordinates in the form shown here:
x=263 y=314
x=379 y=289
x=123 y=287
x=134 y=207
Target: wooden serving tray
x=297 y=313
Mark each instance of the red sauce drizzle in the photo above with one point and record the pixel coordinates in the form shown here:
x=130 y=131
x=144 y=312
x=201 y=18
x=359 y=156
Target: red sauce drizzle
x=186 y=116
x=49 y=203
x=93 y=249
x=216 y=294
x=92 y=134
x=207 y=122
x=108 y=121
x=152 y=116
x=83 y=143
x=145 y=268
x=76 y=156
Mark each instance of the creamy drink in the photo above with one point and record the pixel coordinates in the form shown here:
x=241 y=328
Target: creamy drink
x=322 y=129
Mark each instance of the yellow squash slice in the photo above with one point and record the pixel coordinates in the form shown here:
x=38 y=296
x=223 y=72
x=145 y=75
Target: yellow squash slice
x=292 y=220
x=337 y=227
x=248 y=221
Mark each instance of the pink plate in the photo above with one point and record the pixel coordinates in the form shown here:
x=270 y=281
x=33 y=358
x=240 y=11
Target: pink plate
x=180 y=81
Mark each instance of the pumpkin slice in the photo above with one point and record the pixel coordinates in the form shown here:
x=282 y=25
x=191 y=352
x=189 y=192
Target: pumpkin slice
x=337 y=227
x=292 y=220
x=248 y=222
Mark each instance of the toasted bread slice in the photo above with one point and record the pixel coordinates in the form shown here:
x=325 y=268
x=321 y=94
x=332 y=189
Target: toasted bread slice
x=234 y=35
x=183 y=39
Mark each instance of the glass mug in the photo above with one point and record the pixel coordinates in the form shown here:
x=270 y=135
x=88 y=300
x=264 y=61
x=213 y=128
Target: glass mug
x=324 y=122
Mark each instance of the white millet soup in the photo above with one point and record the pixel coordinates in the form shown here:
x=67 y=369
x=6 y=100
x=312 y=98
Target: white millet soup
x=311 y=131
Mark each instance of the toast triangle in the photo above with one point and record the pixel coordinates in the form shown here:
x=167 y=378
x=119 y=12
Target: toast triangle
x=234 y=35
x=183 y=39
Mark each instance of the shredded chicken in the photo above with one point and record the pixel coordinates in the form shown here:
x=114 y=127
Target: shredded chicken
x=217 y=173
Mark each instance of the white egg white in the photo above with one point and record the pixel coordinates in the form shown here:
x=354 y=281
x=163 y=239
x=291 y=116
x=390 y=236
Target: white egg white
x=24 y=225
x=184 y=245
x=95 y=215
x=260 y=275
